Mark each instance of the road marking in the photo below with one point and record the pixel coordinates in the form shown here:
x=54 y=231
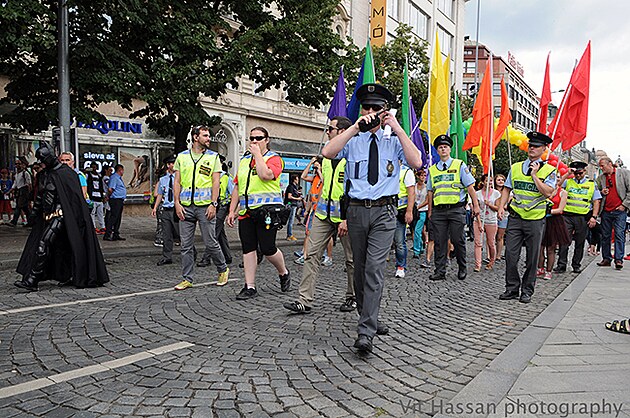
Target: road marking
x=106 y=298
x=36 y=384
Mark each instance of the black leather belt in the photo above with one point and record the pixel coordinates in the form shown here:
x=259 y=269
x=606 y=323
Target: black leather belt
x=451 y=206
x=163 y=208
x=387 y=200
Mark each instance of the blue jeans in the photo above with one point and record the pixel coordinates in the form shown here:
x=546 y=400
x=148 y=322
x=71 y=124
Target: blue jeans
x=290 y=223
x=418 y=243
x=613 y=220
x=400 y=244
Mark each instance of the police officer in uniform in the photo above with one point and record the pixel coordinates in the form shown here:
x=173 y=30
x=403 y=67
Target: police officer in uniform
x=447 y=183
x=531 y=183
x=580 y=213
x=372 y=176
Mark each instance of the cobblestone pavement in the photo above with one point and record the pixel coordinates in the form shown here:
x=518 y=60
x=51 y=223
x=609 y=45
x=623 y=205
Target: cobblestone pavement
x=248 y=358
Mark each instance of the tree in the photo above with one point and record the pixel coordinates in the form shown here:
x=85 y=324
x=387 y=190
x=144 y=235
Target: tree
x=166 y=54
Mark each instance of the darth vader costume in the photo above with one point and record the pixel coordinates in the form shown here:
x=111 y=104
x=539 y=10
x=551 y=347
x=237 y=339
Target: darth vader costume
x=62 y=245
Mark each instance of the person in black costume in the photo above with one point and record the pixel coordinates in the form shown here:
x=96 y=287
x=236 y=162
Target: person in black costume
x=62 y=244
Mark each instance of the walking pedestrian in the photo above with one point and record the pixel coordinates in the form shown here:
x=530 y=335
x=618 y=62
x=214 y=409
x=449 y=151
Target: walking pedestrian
x=257 y=192
x=291 y=198
x=5 y=195
x=531 y=182
x=117 y=194
x=196 y=195
x=373 y=181
x=404 y=217
x=165 y=199
x=21 y=190
x=499 y=184
x=95 y=193
x=448 y=182
x=556 y=234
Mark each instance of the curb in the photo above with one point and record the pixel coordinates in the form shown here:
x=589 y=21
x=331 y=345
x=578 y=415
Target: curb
x=493 y=384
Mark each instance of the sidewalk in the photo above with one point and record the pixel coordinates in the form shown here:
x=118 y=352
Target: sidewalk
x=139 y=232
x=565 y=363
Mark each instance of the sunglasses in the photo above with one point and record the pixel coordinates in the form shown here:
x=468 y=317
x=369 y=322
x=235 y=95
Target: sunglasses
x=332 y=128
x=376 y=108
x=257 y=138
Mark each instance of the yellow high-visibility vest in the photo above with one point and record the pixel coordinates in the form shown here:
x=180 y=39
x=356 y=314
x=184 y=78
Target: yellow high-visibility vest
x=579 y=196
x=446 y=184
x=196 y=177
x=252 y=190
x=332 y=190
x=528 y=202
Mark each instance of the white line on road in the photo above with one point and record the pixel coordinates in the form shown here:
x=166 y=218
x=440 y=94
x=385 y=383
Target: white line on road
x=9 y=391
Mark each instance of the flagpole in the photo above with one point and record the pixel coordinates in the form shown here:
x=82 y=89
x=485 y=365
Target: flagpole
x=507 y=130
x=555 y=128
x=490 y=143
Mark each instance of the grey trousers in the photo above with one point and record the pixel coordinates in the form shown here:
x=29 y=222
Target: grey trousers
x=318 y=239
x=578 y=228
x=449 y=223
x=530 y=233
x=194 y=214
x=168 y=232
x=371 y=232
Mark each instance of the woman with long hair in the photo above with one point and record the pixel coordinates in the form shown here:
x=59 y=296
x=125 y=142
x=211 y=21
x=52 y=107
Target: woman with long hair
x=486 y=222
x=257 y=191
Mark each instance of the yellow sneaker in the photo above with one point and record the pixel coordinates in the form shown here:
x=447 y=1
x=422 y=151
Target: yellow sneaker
x=185 y=284
x=223 y=277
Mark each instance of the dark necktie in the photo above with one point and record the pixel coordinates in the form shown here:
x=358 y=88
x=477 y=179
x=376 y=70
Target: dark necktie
x=170 y=188
x=443 y=166
x=373 y=162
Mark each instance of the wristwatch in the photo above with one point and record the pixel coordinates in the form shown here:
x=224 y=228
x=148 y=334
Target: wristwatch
x=215 y=204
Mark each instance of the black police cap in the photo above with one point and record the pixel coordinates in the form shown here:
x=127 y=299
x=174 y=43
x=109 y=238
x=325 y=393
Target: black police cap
x=578 y=165
x=375 y=94
x=538 y=139
x=443 y=140
x=170 y=159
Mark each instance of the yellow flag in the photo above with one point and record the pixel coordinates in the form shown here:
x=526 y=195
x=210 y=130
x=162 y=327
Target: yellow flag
x=438 y=120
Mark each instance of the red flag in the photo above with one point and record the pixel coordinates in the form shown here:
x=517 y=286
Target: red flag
x=504 y=119
x=545 y=99
x=569 y=125
x=482 y=113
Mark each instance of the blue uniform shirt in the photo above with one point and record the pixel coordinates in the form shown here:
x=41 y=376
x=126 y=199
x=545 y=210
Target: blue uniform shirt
x=119 y=190
x=163 y=190
x=464 y=174
x=549 y=181
x=357 y=151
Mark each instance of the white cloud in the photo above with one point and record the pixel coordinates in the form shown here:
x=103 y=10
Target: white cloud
x=529 y=29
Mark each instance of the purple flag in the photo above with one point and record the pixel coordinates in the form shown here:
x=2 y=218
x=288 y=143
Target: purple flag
x=416 y=136
x=338 y=104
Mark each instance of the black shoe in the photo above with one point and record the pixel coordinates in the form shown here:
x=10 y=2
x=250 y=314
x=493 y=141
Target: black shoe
x=618 y=264
x=382 y=329
x=119 y=238
x=11 y=224
x=363 y=344
x=297 y=307
x=349 y=305
x=106 y=238
x=204 y=263
x=577 y=270
x=424 y=265
x=436 y=277
x=525 y=298
x=604 y=263
x=228 y=261
x=241 y=265
x=285 y=281
x=27 y=283
x=559 y=270
x=461 y=274
x=164 y=261
x=508 y=296
x=247 y=293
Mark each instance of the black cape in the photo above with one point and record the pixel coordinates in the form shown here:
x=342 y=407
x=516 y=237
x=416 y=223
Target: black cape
x=76 y=252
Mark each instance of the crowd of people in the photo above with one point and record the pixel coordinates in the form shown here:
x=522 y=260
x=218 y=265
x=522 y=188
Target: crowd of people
x=368 y=190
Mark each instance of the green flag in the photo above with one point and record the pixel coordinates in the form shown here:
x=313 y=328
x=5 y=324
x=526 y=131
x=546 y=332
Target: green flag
x=405 y=117
x=457 y=133
x=368 y=65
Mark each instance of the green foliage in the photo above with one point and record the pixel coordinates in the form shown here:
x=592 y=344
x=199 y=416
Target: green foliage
x=389 y=64
x=166 y=54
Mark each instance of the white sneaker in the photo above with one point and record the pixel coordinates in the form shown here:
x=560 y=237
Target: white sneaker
x=400 y=273
x=327 y=261
x=299 y=260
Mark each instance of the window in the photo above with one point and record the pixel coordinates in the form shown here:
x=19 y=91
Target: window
x=446 y=7
x=446 y=41
x=468 y=52
x=469 y=67
x=496 y=89
x=392 y=9
x=418 y=21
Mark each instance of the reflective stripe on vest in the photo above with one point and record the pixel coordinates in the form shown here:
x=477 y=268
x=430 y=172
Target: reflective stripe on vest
x=332 y=190
x=259 y=192
x=224 y=197
x=579 y=196
x=446 y=184
x=528 y=202
x=403 y=195
x=196 y=177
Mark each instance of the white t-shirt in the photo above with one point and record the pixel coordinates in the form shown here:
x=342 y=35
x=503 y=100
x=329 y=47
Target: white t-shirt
x=488 y=216
x=421 y=195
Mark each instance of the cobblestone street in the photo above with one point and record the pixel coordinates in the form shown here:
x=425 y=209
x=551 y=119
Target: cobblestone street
x=137 y=348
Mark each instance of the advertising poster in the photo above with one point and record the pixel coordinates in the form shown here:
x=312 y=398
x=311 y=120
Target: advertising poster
x=102 y=155
x=137 y=176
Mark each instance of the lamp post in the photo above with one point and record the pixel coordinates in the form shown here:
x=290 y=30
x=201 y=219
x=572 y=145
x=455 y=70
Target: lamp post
x=63 y=73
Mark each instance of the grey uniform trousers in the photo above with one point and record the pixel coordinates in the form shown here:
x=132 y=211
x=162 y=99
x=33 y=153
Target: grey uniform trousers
x=577 y=226
x=371 y=232
x=168 y=232
x=449 y=223
x=194 y=214
x=530 y=233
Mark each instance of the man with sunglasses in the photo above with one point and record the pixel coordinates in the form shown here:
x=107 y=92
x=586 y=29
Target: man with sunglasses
x=615 y=186
x=372 y=177
x=531 y=183
x=580 y=213
x=196 y=195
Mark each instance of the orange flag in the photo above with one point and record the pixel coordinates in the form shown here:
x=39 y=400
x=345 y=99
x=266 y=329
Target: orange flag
x=504 y=119
x=481 y=127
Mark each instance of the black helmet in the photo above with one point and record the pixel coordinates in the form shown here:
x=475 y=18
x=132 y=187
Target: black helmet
x=46 y=154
